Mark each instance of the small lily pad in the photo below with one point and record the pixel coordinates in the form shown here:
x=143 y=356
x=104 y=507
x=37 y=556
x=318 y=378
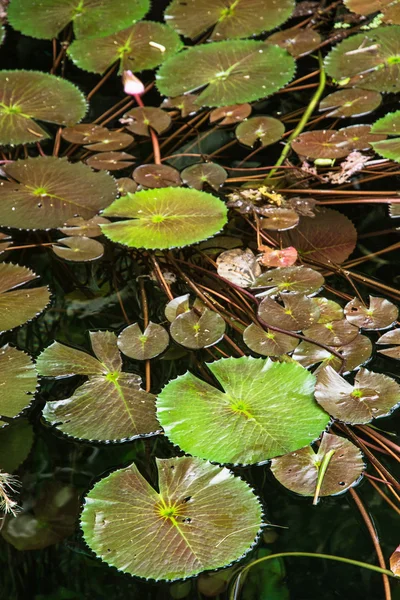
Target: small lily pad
x=198 y=331
x=157 y=176
x=298 y=312
x=332 y=333
x=286 y=257
x=350 y=103
x=110 y=406
x=17 y=306
x=78 y=249
x=391 y=337
x=388 y=125
x=268 y=343
x=110 y=161
x=197 y=175
x=329 y=310
x=230 y=72
x=143 y=345
x=354 y=354
x=140 y=119
x=165 y=218
x=228 y=18
x=389 y=9
x=261 y=410
x=264 y=130
x=279 y=219
x=185 y=103
x=143 y=46
x=298 y=42
x=373 y=395
x=239 y=267
x=19 y=378
x=16 y=441
x=76 y=226
x=108 y=141
x=91 y=18
x=291 y=280
x=177 y=307
x=50 y=190
x=126 y=185
x=321 y=143
x=380 y=314
x=180 y=516
x=298 y=471
x=30 y=96
x=229 y=115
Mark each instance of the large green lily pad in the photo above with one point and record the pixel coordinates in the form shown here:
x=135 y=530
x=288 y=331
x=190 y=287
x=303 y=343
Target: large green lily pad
x=91 y=18
x=111 y=405
x=230 y=72
x=30 y=96
x=229 y=18
x=201 y=518
x=263 y=409
x=50 y=190
x=165 y=218
x=18 y=381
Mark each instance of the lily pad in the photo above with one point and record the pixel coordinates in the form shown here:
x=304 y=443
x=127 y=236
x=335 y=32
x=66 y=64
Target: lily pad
x=298 y=471
x=19 y=378
x=356 y=353
x=143 y=345
x=369 y=60
x=229 y=115
x=329 y=310
x=321 y=143
x=350 y=103
x=110 y=406
x=332 y=333
x=268 y=343
x=239 y=267
x=291 y=280
x=180 y=516
x=50 y=190
x=228 y=18
x=76 y=226
x=279 y=219
x=298 y=312
x=126 y=185
x=360 y=137
x=185 y=103
x=165 y=218
x=380 y=314
x=198 y=331
x=298 y=42
x=197 y=175
x=230 y=72
x=389 y=9
x=16 y=441
x=286 y=257
x=157 y=176
x=177 y=307
x=261 y=410
x=110 y=161
x=139 y=120
x=19 y=306
x=391 y=337
x=78 y=249
x=91 y=18
x=108 y=141
x=388 y=125
x=373 y=395
x=143 y=46
x=82 y=133
x=264 y=130
x=30 y=96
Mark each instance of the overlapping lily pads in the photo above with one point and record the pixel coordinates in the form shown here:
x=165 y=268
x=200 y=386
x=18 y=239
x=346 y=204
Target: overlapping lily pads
x=165 y=218
x=290 y=280
x=30 y=96
x=145 y=45
x=265 y=409
x=124 y=516
x=140 y=119
x=91 y=18
x=111 y=405
x=50 y=190
x=230 y=72
x=18 y=376
x=228 y=18
x=298 y=42
x=298 y=312
x=391 y=337
x=354 y=354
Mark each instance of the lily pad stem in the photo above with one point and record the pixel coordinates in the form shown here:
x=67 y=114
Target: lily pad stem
x=153 y=135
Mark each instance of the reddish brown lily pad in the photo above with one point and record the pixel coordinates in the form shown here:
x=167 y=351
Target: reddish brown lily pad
x=229 y=115
x=143 y=345
x=298 y=42
x=108 y=141
x=279 y=219
x=139 y=120
x=291 y=280
x=391 y=337
x=110 y=161
x=352 y=102
x=89 y=228
x=185 y=103
x=196 y=176
x=329 y=310
x=298 y=312
x=356 y=353
x=380 y=314
x=333 y=333
x=198 y=331
x=78 y=249
x=267 y=342
x=321 y=143
x=262 y=130
x=126 y=185
x=156 y=176
x=359 y=137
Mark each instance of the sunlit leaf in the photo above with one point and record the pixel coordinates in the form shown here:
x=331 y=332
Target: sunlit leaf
x=350 y=103
x=78 y=249
x=17 y=306
x=321 y=143
x=110 y=405
x=329 y=310
x=50 y=190
x=291 y=280
x=81 y=227
x=140 y=119
x=380 y=314
x=297 y=313
x=143 y=345
x=229 y=115
x=239 y=267
x=91 y=18
x=18 y=381
x=143 y=46
x=267 y=342
x=391 y=337
x=29 y=96
x=332 y=333
x=110 y=161
x=198 y=331
x=228 y=18
x=264 y=130
x=231 y=72
x=368 y=60
x=165 y=218
x=265 y=409
x=373 y=395
x=360 y=137
x=356 y=353
x=157 y=176
x=197 y=175
x=388 y=125
x=108 y=141
x=16 y=441
x=298 y=42
x=279 y=219
x=180 y=516
x=298 y=471
x=286 y=257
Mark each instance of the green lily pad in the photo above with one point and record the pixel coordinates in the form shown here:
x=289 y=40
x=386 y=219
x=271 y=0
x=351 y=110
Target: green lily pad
x=265 y=409
x=19 y=378
x=78 y=249
x=267 y=342
x=379 y=315
x=388 y=125
x=198 y=331
x=91 y=18
x=143 y=345
x=165 y=218
x=196 y=176
x=30 y=96
x=229 y=18
x=180 y=517
x=391 y=337
x=264 y=130
x=231 y=72
x=350 y=103
x=298 y=312
x=298 y=471
x=373 y=395
x=290 y=280
x=19 y=306
x=110 y=406
x=50 y=190
x=355 y=353
x=16 y=441
x=369 y=60
x=145 y=45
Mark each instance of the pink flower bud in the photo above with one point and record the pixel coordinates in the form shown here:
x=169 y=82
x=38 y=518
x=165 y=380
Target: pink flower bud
x=132 y=85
